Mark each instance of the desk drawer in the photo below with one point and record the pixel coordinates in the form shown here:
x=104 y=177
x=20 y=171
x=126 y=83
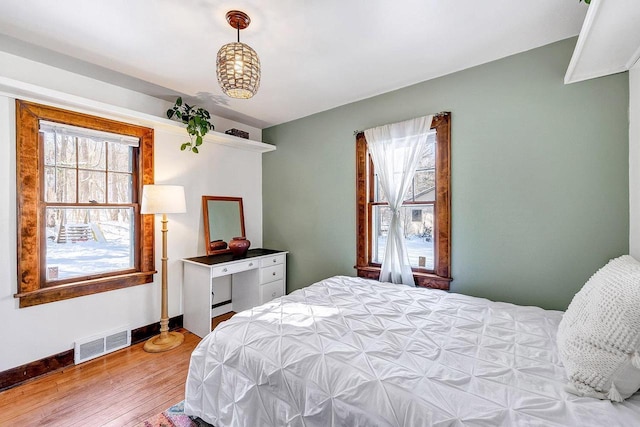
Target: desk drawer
x=237 y=267
x=271 y=291
x=272 y=260
x=271 y=274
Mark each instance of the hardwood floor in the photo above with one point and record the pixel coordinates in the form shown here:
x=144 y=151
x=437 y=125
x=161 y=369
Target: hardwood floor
x=216 y=320
x=120 y=389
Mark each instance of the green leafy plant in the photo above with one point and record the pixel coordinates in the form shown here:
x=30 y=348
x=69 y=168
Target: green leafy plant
x=197 y=121
x=586 y=1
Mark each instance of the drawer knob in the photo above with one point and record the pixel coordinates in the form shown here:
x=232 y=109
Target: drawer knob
x=274 y=273
x=273 y=295
x=224 y=270
x=274 y=260
x=250 y=264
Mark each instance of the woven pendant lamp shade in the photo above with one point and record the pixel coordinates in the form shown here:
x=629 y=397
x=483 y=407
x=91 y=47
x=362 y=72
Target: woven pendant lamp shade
x=238 y=69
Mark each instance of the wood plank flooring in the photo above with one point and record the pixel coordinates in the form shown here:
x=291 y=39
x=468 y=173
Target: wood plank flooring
x=120 y=389
x=216 y=320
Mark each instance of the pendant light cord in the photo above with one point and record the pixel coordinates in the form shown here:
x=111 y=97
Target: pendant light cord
x=238 y=28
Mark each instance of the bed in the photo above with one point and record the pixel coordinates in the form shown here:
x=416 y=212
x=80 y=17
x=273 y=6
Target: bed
x=355 y=352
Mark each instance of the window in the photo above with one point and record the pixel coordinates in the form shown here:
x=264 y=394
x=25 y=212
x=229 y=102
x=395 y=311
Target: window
x=79 y=228
x=425 y=214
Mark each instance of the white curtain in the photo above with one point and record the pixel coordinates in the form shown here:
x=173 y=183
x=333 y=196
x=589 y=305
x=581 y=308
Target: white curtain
x=396 y=150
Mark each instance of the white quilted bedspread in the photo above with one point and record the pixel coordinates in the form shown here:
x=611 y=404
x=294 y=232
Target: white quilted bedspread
x=355 y=352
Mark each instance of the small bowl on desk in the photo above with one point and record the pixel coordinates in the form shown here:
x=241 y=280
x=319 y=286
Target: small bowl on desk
x=239 y=246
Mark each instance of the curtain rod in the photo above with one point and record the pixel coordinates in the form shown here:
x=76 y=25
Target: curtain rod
x=440 y=114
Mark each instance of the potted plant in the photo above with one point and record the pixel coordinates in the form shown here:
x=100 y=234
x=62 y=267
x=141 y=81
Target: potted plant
x=197 y=121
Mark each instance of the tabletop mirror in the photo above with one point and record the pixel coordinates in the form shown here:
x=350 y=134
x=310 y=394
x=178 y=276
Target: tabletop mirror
x=223 y=220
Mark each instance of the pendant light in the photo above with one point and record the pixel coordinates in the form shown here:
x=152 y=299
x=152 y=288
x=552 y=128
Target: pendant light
x=237 y=64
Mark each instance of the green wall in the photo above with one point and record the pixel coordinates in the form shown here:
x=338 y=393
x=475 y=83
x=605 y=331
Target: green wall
x=540 y=190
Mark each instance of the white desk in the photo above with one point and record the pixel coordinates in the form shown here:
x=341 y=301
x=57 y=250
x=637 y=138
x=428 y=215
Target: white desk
x=256 y=278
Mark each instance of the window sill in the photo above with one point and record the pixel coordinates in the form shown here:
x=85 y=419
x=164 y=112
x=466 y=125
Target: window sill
x=423 y=280
x=79 y=289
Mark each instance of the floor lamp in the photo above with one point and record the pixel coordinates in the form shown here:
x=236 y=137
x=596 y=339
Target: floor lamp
x=163 y=199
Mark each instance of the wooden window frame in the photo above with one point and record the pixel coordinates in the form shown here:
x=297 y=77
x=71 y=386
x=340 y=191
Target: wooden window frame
x=32 y=286
x=439 y=277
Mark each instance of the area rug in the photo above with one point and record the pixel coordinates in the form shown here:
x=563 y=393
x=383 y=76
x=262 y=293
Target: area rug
x=173 y=417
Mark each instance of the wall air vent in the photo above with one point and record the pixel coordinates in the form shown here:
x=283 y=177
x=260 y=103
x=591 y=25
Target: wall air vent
x=117 y=341
x=98 y=345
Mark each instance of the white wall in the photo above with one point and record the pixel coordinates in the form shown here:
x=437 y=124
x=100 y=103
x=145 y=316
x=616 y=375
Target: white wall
x=634 y=161
x=33 y=333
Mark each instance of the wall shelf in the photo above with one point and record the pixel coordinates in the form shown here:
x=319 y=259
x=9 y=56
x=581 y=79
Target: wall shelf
x=16 y=89
x=609 y=41
x=214 y=136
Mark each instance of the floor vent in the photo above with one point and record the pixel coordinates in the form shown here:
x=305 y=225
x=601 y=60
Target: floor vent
x=97 y=345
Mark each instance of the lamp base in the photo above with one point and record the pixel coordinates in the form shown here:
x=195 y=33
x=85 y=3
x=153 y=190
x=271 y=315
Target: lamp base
x=159 y=343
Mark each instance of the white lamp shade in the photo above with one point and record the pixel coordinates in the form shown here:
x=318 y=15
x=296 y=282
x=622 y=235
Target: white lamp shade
x=163 y=199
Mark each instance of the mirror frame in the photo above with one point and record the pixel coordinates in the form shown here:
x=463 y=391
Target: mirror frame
x=205 y=213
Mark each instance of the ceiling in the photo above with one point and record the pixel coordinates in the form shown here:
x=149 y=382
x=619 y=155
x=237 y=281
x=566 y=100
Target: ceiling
x=315 y=55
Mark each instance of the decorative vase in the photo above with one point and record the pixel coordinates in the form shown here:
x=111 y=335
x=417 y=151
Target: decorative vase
x=239 y=246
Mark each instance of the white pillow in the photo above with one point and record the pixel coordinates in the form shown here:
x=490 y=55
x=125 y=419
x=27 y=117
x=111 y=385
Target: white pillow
x=599 y=335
